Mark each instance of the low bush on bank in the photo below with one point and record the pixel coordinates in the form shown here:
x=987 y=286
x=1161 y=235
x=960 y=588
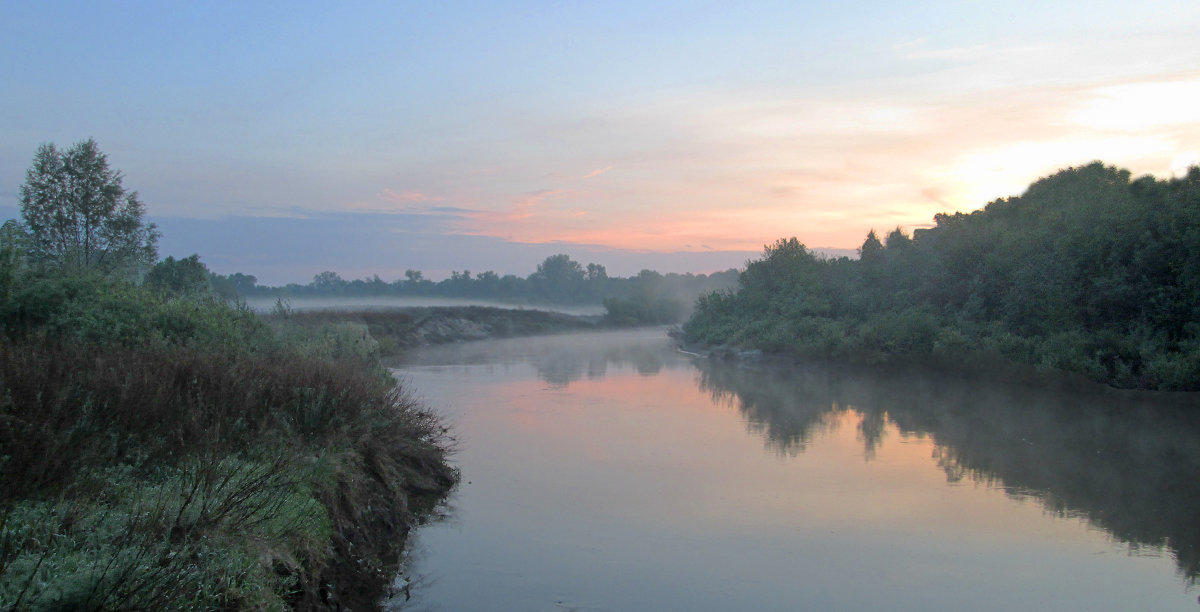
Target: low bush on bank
x=643 y=310
x=163 y=452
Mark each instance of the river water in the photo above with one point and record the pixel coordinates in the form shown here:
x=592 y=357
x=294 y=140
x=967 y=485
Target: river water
x=611 y=472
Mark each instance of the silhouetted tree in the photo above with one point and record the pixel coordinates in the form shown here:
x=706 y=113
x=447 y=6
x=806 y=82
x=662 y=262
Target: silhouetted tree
x=328 y=283
x=559 y=278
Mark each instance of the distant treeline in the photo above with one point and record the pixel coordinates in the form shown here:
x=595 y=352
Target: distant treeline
x=649 y=297
x=1089 y=271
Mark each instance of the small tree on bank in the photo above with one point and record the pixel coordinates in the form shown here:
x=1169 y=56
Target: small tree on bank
x=78 y=215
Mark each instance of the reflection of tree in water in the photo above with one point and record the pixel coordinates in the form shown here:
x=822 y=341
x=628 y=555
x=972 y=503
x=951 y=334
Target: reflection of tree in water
x=785 y=413
x=1121 y=462
x=563 y=365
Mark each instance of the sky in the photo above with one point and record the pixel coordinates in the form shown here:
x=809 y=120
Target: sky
x=283 y=139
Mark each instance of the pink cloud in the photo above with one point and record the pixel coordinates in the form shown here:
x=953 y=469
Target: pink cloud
x=409 y=196
x=597 y=172
x=525 y=211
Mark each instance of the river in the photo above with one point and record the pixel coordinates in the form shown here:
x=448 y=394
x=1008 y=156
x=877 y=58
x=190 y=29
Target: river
x=609 y=471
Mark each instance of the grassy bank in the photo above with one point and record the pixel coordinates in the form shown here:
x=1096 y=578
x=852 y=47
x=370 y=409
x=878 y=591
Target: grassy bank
x=167 y=452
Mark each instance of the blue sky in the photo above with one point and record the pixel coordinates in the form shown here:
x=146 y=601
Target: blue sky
x=281 y=139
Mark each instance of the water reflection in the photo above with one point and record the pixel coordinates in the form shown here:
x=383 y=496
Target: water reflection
x=610 y=472
x=1125 y=464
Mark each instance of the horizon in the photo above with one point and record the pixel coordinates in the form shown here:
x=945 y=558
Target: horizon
x=374 y=138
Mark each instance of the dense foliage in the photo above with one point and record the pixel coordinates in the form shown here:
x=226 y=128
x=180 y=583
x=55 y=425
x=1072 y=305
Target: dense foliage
x=160 y=449
x=1089 y=271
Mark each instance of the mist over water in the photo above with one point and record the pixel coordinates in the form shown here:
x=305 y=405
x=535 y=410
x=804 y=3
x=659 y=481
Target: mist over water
x=266 y=304
x=610 y=472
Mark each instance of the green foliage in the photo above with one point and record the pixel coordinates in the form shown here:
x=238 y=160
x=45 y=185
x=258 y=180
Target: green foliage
x=191 y=537
x=643 y=310
x=14 y=244
x=231 y=287
x=96 y=310
x=184 y=277
x=78 y=215
x=173 y=452
x=1089 y=271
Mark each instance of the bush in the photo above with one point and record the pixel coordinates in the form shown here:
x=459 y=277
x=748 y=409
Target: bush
x=643 y=310
x=1176 y=370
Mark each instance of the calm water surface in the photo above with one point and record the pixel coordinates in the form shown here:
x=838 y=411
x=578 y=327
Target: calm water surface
x=610 y=472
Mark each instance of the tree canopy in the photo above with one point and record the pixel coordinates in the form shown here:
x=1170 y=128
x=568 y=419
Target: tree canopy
x=1089 y=271
x=78 y=215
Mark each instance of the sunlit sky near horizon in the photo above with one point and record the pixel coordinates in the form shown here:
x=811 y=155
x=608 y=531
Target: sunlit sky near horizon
x=282 y=139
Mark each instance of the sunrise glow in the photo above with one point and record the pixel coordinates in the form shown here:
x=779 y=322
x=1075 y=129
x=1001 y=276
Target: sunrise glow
x=492 y=136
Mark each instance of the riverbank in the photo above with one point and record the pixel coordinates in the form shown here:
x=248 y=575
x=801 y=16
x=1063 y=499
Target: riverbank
x=400 y=329
x=173 y=452
x=983 y=366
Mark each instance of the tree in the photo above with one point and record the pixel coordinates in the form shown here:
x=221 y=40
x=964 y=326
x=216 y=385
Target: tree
x=243 y=283
x=596 y=273
x=896 y=240
x=328 y=283
x=558 y=278
x=79 y=216
x=183 y=277
x=871 y=247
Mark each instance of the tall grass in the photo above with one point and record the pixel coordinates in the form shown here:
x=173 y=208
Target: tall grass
x=158 y=453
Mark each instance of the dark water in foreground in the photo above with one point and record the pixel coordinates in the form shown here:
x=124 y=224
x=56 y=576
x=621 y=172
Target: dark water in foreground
x=609 y=472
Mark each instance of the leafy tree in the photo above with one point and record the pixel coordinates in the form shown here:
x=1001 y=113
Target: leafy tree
x=181 y=277
x=870 y=247
x=596 y=273
x=486 y=283
x=328 y=283
x=897 y=240
x=559 y=278
x=243 y=283
x=78 y=215
x=232 y=286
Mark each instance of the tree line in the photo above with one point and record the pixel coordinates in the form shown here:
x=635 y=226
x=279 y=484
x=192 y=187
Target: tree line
x=1089 y=271
x=76 y=215
x=648 y=297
